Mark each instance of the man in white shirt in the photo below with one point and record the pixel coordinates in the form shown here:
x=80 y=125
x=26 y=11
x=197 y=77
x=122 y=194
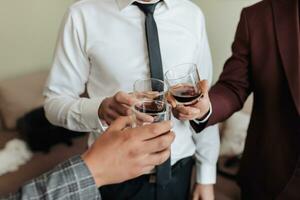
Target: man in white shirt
x=102 y=50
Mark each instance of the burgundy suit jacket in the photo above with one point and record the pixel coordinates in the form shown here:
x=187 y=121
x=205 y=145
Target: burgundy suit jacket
x=265 y=61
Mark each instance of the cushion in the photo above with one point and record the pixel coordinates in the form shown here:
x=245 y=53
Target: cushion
x=13 y=156
x=234 y=134
x=40 y=134
x=20 y=95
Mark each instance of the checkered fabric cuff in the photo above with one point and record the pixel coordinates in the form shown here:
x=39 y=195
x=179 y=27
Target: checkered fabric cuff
x=69 y=180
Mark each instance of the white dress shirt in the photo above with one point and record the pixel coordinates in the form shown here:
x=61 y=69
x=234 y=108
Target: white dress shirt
x=102 y=48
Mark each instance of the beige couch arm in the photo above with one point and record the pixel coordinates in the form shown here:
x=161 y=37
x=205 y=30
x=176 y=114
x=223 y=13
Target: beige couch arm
x=20 y=95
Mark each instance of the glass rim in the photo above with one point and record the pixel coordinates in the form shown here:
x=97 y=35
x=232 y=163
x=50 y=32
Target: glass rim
x=181 y=77
x=148 y=79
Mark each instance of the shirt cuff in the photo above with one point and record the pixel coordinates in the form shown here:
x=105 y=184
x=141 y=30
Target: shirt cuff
x=87 y=188
x=90 y=115
x=206 y=174
x=206 y=118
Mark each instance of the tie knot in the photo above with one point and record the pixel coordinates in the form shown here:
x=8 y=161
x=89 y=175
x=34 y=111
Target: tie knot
x=146 y=8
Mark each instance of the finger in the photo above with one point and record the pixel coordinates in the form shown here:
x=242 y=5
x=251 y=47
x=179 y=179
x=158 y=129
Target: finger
x=171 y=99
x=158 y=144
x=119 y=108
x=142 y=117
x=159 y=157
x=147 y=169
x=185 y=117
x=108 y=120
x=125 y=98
x=187 y=110
x=112 y=114
x=147 y=95
x=153 y=130
x=204 y=86
x=120 y=123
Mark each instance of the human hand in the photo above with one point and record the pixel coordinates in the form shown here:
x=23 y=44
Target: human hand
x=203 y=192
x=113 y=107
x=122 y=153
x=195 y=111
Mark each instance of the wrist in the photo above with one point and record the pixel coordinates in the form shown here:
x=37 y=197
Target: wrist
x=201 y=118
x=204 y=118
x=100 y=113
x=95 y=169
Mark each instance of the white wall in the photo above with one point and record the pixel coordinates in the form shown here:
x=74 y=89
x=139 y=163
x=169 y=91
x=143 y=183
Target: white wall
x=222 y=17
x=28 y=31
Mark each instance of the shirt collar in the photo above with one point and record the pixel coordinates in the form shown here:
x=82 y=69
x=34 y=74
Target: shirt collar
x=125 y=3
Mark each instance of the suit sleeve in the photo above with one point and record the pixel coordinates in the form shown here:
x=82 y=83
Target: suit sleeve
x=69 y=180
x=234 y=85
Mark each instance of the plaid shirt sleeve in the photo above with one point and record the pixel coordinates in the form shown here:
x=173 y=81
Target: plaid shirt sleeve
x=69 y=180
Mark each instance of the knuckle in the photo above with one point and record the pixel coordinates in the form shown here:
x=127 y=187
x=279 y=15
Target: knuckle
x=156 y=130
x=105 y=100
x=169 y=139
x=162 y=159
x=118 y=96
x=162 y=143
x=103 y=104
x=173 y=136
x=159 y=160
x=180 y=115
x=148 y=169
x=128 y=111
x=167 y=154
x=108 y=101
x=191 y=111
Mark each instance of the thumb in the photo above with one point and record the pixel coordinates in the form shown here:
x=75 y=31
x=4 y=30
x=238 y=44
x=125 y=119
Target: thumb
x=120 y=123
x=204 y=86
x=171 y=100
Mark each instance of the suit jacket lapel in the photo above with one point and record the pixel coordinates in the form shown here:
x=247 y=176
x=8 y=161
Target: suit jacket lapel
x=286 y=20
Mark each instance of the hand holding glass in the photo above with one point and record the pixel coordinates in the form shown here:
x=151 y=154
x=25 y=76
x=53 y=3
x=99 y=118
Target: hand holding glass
x=152 y=102
x=183 y=81
x=159 y=111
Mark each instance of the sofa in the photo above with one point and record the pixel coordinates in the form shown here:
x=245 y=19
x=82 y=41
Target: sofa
x=18 y=96
x=22 y=94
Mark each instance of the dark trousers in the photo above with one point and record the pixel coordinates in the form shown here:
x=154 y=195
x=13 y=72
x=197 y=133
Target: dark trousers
x=144 y=188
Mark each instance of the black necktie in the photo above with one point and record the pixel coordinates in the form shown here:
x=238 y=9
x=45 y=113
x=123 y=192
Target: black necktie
x=163 y=171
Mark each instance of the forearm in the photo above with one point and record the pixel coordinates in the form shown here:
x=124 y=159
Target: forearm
x=69 y=180
x=79 y=114
x=235 y=83
x=225 y=100
x=207 y=152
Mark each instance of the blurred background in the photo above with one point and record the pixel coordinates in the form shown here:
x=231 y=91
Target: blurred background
x=28 y=32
